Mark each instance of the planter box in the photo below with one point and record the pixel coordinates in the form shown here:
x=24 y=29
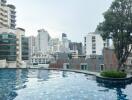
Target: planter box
x=113 y=82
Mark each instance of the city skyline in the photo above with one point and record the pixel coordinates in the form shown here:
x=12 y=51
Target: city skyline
x=75 y=18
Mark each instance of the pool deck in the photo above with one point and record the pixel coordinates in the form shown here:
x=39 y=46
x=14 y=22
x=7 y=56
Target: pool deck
x=72 y=70
x=78 y=71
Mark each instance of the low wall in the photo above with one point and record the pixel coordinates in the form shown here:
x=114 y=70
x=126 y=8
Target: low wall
x=3 y=64
x=114 y=81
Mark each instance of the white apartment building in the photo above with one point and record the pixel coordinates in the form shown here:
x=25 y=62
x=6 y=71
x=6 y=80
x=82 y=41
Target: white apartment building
x=3 y=17
x=32 y=46
x=7 y=15
x=11 y=16
x=42 y=41
x=93 y=44
x=54 y=45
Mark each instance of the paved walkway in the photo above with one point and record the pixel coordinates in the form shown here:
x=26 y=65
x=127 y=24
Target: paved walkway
x=72 y=70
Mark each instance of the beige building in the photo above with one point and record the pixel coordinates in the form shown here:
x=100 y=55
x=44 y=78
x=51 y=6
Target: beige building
x=7 y=15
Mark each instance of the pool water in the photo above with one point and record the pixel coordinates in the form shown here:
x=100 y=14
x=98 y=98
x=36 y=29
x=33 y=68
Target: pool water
x=35 y=84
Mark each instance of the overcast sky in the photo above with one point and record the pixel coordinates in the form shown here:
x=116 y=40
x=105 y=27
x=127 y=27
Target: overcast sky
x=74 y=17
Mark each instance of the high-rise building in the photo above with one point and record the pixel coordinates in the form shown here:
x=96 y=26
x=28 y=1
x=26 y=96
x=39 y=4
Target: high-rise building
x=93 y=44
x=32 y=46
x=13 y=47
x=13 y=44
x=8 y=46
x=7 y=15
x=54 y=45
x=76 y=47
x=64 y=35
x=25 y=48
x=21 y=47
x=65 y=43
x=11 y=16
x=43 y=38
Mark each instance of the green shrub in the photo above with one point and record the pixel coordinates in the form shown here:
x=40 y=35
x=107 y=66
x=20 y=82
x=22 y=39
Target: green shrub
x=113 y=74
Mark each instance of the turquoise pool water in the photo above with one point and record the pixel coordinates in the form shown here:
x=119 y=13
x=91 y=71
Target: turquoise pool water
x=34 y=84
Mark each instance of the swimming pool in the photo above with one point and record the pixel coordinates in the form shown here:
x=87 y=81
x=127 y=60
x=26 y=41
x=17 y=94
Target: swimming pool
x=35 y=84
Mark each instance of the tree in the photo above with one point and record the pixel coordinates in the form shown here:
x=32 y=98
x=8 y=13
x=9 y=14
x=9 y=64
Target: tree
x=117 y=25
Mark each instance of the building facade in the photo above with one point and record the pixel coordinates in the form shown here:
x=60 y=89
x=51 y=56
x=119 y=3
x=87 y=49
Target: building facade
x=65 y=43
x=11 y=16
x=25 y=48
x=32 y=45
x=54 y=45
x=13 y=43
x=93 y=44
x=42 y=41
x=7 y=15
x=76 y=47
x=8 y=46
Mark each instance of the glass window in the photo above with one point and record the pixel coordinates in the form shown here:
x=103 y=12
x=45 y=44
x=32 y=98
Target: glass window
x=93 y=52
x=5 y=41
x=84 y=67
x=102 y=67
x=5 y=36
x=93 y=37
x=35 y=60
x=67 y=66
x=93 y=40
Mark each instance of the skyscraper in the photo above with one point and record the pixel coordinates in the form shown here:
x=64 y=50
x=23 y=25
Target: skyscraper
x=54 y=45
x=7 y=15
x=76 y=46
x=32 y=46
x=11 y=16
x=65 y=43
x=7 y=46
x=43 y=41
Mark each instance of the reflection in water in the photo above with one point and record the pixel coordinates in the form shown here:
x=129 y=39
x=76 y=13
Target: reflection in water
x=64 y=74
x=117 y=87
x=43 y=74
x=120 y=95
x=35 y=84
x=11 y=80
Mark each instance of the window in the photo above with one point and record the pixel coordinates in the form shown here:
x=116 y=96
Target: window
x=5 y=41
x=67 y=66
x=94 y=52
x=93 y=37
x=93 y=48
x=5 y=36
x=84 y=39
x=102 y=67
x=35 y=60
x=83 y=66
x=93 y=45
x=39 y=60
x=93 y=40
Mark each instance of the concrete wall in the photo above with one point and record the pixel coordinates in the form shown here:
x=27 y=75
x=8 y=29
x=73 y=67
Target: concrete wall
x=110 y=60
